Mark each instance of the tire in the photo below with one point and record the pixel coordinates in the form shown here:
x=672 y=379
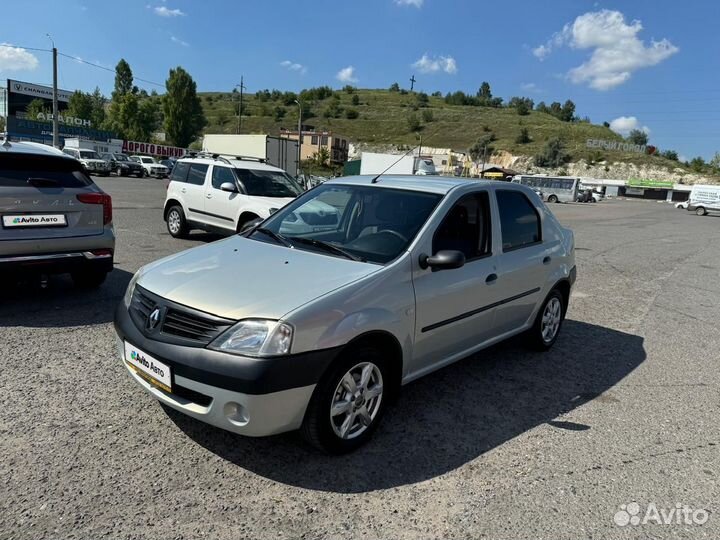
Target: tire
x=246 y=219
x=539 y=337
x=176 y=222
x=119 y=172
x=145 y=174
x=552 y=199
x=700 y=211
x=89 y=279
x=323 y=430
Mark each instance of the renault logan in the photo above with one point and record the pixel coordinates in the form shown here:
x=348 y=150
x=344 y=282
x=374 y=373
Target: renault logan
x=274 y=330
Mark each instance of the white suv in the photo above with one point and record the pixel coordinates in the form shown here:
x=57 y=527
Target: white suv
x=151 y=166
x=218 y=194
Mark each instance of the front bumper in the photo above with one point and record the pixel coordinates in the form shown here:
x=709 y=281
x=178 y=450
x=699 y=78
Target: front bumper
x=249 y=396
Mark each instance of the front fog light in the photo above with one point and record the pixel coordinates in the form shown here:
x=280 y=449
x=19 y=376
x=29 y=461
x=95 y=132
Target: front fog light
x=256 y=337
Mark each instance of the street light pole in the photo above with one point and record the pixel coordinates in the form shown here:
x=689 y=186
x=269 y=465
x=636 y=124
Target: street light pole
x=299 y=136
x=56 y=124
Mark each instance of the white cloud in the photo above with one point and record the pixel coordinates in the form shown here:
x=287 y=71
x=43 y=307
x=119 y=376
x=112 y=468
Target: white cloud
x=167 y=12
x=347 y=75
x=294 y=66
x=625 y=124
x=530 y=87
x=16 y=58
x=433 y=64
x=617 y=51
x=415 y=3
x=179 y=41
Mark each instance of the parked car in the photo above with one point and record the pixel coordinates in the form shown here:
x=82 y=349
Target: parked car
x=213 y=193
x=90 y=160
x=54 y=218
x=122 y=165
x=271 y=331
x=169 y=163
x=151 y=166
x=682 y=205
x=704 y=198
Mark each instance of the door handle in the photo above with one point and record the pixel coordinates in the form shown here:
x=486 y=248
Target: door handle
x=492 y=278
x=547 y=260
x=208 y=196
x=183 y=190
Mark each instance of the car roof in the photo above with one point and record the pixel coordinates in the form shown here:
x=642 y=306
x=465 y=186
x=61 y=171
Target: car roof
x=428 y=184
x=231 y=162
x=23 y=147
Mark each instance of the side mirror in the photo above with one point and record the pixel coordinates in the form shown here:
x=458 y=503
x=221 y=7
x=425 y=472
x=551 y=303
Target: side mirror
x=229 y=187
x=250 y=224
x=443 y=260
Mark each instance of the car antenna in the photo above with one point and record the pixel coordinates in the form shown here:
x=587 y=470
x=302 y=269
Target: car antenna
x=377 y=178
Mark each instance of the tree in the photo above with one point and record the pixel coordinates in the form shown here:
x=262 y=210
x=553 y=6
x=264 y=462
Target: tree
x=279 y=113
x=637 y=136
x=437 y=94
x=222 y=117
x=606 y=124
x=35 y=107
x=413 y=122
x=80 y=105
x=351 y=114
x=672 y=155
x=394 y=87
x=427 y=116
x=485 y=93
x=322 y=156
x=522 y=108
x=555 y=109
x=715 y=161
x=697 y=164
x=97 y=116
x=523 y=137
x=553 y=155
x=483 y=147
x=541 y=107
x=123 y=79
x=349 y=89
x=184 y=117
x=334 y=110
x=355 y=99
x=567 y=113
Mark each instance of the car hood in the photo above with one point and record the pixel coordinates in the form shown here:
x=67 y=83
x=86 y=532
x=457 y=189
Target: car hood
x=241 y=278
x=90 y=160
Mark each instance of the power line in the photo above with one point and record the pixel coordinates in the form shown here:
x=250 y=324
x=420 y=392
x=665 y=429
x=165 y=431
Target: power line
x=111 y=70
x=11 y=46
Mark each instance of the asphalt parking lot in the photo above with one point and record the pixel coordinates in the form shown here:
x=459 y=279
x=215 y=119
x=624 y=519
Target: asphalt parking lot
x=507 y=444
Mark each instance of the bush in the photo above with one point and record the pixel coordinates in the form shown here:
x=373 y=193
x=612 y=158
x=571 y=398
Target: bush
x=637 y=136
x=394 y=87
x=523 y=137
x=522 y=109
x=437 y=94
x=553 y=155
x=427 y=116
x=413 y=122
x=670 y=154
x=355 y=99
x=352 y=114
x=422 y=99
x=349 y=89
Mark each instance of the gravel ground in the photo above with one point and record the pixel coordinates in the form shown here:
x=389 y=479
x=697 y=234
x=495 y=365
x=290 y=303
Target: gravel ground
x=507 y=444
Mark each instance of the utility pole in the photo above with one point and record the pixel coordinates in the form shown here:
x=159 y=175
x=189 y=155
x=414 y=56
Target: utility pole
x=56 y=124
x=299 y=148
x=241 y=86
x=412 y=83
x=482 y=171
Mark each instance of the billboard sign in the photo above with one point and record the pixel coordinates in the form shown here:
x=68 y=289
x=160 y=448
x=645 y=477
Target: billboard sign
x=160 y=150
x=638 y=183
x=618 y=146
x=25 y=128
x=36 y=90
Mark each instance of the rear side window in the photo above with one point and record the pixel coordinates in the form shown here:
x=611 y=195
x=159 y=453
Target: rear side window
x=180 y=172
x=22 y=170
x=197 y=173
x=519 y=220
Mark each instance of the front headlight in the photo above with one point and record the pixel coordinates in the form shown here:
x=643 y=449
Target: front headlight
x=131 y=288
x=255 y=337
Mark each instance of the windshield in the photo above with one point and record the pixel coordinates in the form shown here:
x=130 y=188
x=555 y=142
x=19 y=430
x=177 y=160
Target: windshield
x=268 y=183
x=368 y=223
x=147 y=160
x=121 y=157
x=89 y=154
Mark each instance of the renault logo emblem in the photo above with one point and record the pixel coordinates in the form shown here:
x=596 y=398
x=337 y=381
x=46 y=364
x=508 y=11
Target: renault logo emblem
x=153 y=319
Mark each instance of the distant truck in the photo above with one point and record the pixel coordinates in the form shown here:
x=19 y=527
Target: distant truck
x=704 y=198
x=372 y=163
x=276 y=151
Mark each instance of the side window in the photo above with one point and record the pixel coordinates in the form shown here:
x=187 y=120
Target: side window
x=180 y=172
x=197 y=173
x=466 y=227
x=519 y=220
x=221 y=175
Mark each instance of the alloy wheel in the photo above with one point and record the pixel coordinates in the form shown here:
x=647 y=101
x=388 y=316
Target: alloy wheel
x=552 y=315
x=356 y=400
x=174 y=221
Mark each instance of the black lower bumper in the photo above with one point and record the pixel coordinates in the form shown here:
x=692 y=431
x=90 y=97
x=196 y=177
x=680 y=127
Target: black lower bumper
x=231 y=372
x=24 y=267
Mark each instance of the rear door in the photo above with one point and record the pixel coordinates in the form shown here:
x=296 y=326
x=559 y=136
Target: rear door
x=39 y=198
x=221 y=206
x=193 y=192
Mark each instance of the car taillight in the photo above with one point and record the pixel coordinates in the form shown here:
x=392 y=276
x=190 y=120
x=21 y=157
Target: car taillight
x=99 y=198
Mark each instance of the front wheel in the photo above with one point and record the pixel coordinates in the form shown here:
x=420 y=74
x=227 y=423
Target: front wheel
x=700 y=211
x=176 y=223
x=348 y=403
x=552 y=199
x=118 y=171
x=548 y=322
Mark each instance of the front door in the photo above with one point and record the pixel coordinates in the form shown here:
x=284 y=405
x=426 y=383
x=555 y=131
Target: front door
x=220 y=205
x=455 y=308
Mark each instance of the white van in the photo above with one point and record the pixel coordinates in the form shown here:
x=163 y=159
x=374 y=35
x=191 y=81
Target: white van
x=704 y=198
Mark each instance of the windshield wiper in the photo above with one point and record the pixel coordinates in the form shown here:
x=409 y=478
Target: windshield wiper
x=275 y=236
x=328 y=247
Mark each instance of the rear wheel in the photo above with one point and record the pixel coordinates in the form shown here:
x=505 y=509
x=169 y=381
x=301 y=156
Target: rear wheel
x=700 y=211
x=553 y=198
x=548 y=322
x=176 y=223
x=348 y=403
x=88 y=278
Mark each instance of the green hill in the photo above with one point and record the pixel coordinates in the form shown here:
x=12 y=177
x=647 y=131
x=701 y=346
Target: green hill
x=383 y=118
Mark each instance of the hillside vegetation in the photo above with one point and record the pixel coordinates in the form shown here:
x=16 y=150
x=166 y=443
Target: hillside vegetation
x=385 y=117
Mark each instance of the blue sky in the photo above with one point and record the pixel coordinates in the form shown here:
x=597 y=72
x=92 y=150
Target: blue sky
x=650 y=64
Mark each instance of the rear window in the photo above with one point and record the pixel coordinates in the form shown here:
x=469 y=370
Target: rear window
x=22 y=170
